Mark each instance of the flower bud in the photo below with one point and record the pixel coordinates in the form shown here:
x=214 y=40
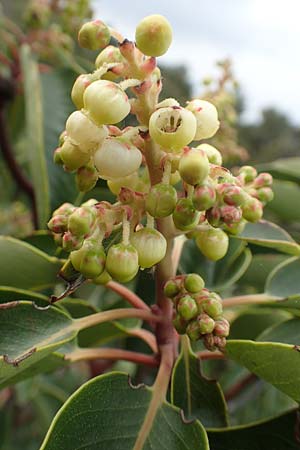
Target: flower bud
x=172 y=128
x=264 y=179
x=106 y=102
x=185 y=216
x=235 y=228
x=193 y=283
x=193 y=166
x=81 y=221
x=116 y=159
x=222 y=328
x=230 y=214
x=187 y=307
x=94 y=35
x=206 y=115
x=180 y=324
x=58 y=223
x=206 y=323
x=65 y=208
x=83 y=132
x=161 y=200
x=122 y=262
x=86 y=178
x=72 y=156
x=80 y=85
x=89 y=259
x=103 y=278
x=171 y=288
x=234 y=195
x=247 y=173
x=193 y=330
x=71 y=242
x=252 y=210
x=151 y=246
x=213 y=243
x=56 y=156
x=153 y=35
x=109 y=55
x=204 y=197
x=130 y=181
x=213 y=307
x=213 y=216
x=213 y=155
x=265 y=194
x=200 y=298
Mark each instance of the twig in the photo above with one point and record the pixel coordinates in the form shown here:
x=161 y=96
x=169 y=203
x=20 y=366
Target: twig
x=239 y=386
x=205 y=354
x=114 y=354
x=250 y=299
x=128 y=295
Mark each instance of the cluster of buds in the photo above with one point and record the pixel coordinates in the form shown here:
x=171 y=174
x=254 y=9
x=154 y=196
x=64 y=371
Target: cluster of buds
x=198 y=312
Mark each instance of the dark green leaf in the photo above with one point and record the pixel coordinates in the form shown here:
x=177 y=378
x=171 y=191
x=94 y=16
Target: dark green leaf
x=283 y=169
x=199 y=397
x=280 y=433
x=111 y=415
x=287 y=332
x=286 y=196
x=9 y=294
x=284 y=280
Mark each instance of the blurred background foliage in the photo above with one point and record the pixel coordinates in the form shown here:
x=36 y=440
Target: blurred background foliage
x=39 y=53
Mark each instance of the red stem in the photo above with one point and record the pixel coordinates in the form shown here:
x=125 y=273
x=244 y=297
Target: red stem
x=128 y=295
x=113 y=354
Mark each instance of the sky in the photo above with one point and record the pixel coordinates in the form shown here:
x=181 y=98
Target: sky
x=262 y=37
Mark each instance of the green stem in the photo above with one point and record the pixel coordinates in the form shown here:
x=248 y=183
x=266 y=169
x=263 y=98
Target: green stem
x=250 y=299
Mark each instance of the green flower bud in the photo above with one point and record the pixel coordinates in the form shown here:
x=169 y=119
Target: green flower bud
x=103 y=278
x=247 y=173
x=58 y=223
x=185 y=216
x=130 y=181
x=56 y=156
x=72 y=156
x=213 y=155
x=204 y=197
x=106 y=102
x=193 y=166
x=234 y=195
x=235 y=228
x=80 y=85
x=222 y=328
x=206 y=115
x=213 y=307
x=122 y=262
x=213 y=243
x=230 y=214
x=172 y=128
x=193 y=283
x=213 y=216
x=94 y=35
x=71 y=242
x=193 y=330
x=264 y=179
x=179 y=324
x=187 y=307
x=86 y=178
x=206 y=324
x=265 y=194
x=200 y=298
x=252 y=210
x=151 y=246
x=81 y=221
x=153 y=35
x=65 y=208
x=109 y=55
x=83 y=132
x=89 y=259
x=171 y=288
x=161 y=200
x=116 y=159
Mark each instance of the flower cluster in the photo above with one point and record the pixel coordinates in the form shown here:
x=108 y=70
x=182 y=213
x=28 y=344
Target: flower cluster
x=198 y=311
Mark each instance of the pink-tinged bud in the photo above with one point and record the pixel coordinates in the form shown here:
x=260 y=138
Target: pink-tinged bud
x=81 y=221
x=72 y=156
x=153 y=35
x=185 y=216
x=89 y=259
x=193 y=283
x=206 y=324
x=234 y=195
x=252 y=210
x=200 y=298
x=180 y=324
x=222 y=328
x=151 y=246
x=122 y=262
x=71 y=242
x=86 y=178
x=193 y=166
x=106 y=102
x=213 y=155
x=247 y=173
x=206 y=115
x=220 y=342
x=116 y=159
x=65 y=208
x=213 y=243
x=161 y=200
x=265 y=194
x=110 y=55
x=172 y=288
x=213 y=307
x=187 y=307
x=193 y=330
x=80 y=85
x=204 y=197
x=58 y=223
x=264 y=179
x=94 y=35
x=209 y=342
x=213 y=216
x=230 y=214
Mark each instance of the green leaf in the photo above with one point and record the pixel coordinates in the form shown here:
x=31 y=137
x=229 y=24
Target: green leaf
x=286 y=196
x=284 y=280
x=35 y=135
x=268 y=234
x=199 y=397
x=43 y=240
x=111 y=415
x=25 y=266
x=283 y=169
x=276 y=363
x=275 y=434
x=57 y=106
x=27 y=336
x=9 y=294
x=287 y=332
x=221 y=274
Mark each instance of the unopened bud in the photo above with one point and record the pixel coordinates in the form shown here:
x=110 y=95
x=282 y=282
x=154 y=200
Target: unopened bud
x=193 y=283
x=213 y=243
x=206 y=323
x=187 y=307
x=81 y=221
x=193 y=166
x=94 y=35
x=122 y=262
x=89 y=259
x=222 y=328
x=204 y=197
x=153 y=35
x=213 y=155
x=185 y=216
x=193 y=330
x=161 y=200
x=86 y=178
x=171 y=288
x=252 y=210
x=151 y=246
x=213 y=308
